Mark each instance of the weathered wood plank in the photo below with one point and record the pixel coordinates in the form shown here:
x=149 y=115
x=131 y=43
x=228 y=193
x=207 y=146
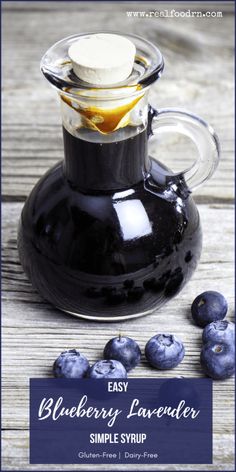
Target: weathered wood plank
x=39 y=6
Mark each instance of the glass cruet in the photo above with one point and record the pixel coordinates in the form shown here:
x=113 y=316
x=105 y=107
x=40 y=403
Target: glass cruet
x=111 y=233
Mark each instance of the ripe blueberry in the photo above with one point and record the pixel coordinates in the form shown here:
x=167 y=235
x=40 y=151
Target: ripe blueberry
x=207 y=307
x=107 y=369
x=70 y=365
x=219 y=332
x=217 y=360
x=123 y=349
x=164 y=351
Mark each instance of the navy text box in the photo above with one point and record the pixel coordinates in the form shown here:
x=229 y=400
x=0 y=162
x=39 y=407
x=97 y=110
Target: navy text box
x=150 y=421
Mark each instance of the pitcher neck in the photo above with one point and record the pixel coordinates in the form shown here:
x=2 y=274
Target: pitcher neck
x=106 y=165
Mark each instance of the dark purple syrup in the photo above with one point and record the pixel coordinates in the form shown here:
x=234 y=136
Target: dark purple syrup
x=97 y=238
x=105 y=166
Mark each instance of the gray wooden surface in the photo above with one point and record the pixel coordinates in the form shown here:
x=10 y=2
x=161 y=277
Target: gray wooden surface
x=199 y=76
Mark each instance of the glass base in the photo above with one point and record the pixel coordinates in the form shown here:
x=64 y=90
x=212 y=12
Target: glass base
x=114 y=318
x=111 y=256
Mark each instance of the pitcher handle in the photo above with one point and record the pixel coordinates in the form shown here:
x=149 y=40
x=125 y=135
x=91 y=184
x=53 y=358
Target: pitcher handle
x=201 y=133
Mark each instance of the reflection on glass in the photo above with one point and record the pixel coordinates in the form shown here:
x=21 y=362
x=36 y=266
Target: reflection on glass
x=125 y=193
x=133 y=219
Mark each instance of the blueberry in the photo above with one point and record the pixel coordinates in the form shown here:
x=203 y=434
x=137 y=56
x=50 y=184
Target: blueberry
x=107 y=369
x=158 y=286
x=70 y=365
x=174 y=283
x=217 y=360
x=115 y=297
x=135 y=293
x=129 y=283
x=188 y=257
x=149 y=283
x=123 y=349
x=207 y=307
x=164 y=351
x=219 y=332
x=93 y=292
x=107 y=290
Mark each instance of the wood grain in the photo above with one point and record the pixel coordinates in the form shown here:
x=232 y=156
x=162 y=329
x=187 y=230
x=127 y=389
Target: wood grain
x=198 y=76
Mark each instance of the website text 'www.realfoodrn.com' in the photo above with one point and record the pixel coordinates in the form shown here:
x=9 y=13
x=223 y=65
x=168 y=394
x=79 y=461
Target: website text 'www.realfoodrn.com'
x=174 y=14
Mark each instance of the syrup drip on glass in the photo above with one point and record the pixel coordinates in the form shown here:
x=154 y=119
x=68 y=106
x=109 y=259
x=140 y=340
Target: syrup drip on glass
x=104 y=120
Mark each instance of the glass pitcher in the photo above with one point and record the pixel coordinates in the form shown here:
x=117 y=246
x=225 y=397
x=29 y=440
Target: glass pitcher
x=110 y=233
